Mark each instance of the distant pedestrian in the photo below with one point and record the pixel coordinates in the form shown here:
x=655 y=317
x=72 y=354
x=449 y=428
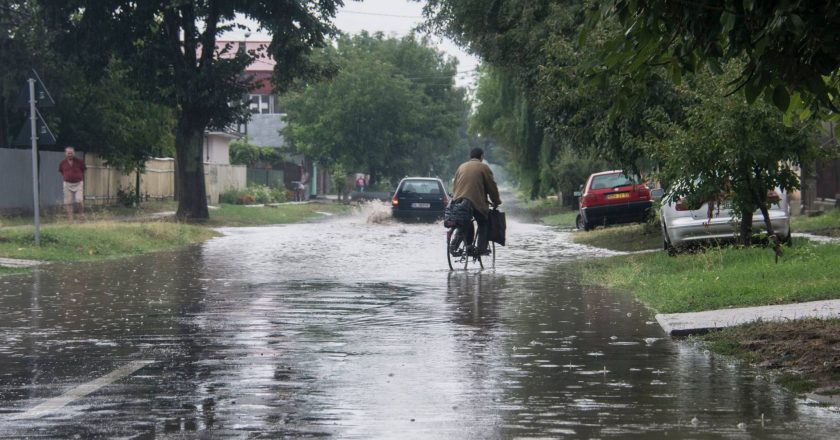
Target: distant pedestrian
x=360 y=184
x=72 y=171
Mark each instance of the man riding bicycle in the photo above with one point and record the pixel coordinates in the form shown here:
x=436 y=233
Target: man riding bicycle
x=474 y=183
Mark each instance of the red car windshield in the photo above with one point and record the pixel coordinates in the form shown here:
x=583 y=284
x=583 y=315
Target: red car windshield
x=611 y=181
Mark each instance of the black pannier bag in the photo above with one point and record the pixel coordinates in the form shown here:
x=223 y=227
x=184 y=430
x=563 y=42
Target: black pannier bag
x=457 y=214
x=496 y=226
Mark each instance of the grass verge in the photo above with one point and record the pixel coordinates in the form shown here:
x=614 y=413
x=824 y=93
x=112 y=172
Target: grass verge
x=239 y=215
x=803 y=352
x=564 y=219
x=723 y=277
x=826 y=224
x=12 y=270
x=627 y=238
x=551 y=212
x=98 y=240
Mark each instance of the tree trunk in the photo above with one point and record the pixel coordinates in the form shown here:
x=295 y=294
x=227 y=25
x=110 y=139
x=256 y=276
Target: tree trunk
x=745 y=236
x=777 y=243
x=192 y=195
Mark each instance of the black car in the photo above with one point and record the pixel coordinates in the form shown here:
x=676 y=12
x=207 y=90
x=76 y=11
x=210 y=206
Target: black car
x=419 y=198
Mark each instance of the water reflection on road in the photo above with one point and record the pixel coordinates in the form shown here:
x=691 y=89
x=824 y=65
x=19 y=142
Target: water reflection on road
x=353 y=329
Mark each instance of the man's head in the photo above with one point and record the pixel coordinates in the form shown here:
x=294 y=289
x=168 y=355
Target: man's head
x=477 y=153
x=69 y=152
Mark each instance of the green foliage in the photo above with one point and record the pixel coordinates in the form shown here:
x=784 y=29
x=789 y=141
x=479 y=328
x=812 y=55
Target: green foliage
x=391 y=110
x=244 y=153
x=128 y=197
x=790 y=48
x=727 y=146
x=161 y=43
x=102 y=113
x=339 y=178
x=534 y=98
x=254 y=194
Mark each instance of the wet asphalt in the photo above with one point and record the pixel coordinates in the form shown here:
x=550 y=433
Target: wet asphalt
x=354 y=327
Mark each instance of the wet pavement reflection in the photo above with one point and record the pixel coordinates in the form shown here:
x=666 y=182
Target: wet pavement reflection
x=349 y=328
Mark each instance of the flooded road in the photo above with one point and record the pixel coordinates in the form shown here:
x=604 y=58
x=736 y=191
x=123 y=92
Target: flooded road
x=350 y=329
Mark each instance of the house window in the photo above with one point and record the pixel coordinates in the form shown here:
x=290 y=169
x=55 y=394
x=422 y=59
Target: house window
x=262 y=104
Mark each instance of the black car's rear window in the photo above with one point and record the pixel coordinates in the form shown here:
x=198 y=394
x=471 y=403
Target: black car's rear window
x=612 y=181
x=420 y=187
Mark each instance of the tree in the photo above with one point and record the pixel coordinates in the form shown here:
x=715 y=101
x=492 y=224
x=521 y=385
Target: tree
x=535 y=98
x=170 y=51
x=391 y=110
x=726 y=148
x=101 y=114
x=243 y=152
x=791 y=48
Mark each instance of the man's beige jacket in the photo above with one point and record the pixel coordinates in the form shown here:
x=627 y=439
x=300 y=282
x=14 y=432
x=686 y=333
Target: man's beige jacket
x=474 y=182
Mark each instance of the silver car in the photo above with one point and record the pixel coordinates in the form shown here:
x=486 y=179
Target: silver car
x=682 y=225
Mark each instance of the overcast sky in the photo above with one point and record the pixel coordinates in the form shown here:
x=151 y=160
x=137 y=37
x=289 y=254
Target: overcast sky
x=395 y=18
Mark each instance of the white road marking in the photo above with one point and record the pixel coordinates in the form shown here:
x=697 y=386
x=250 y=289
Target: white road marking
x=81 y=391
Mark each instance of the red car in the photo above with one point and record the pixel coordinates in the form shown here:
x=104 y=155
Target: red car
x=610 y=197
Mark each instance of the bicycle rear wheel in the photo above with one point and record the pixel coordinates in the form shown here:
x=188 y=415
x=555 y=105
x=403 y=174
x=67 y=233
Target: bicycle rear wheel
x=460 y=254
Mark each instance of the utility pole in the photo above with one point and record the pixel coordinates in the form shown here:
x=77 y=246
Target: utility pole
x=34 y=93
x=33 y=133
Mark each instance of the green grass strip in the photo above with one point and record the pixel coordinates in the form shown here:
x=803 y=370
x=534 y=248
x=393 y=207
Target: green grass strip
x=627 y=238
x=825 y=224
x=98 y=240
x=239 y=215
x=723 y=277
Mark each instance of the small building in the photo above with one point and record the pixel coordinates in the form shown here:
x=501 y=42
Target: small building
x=268 y=119
x=216 y=148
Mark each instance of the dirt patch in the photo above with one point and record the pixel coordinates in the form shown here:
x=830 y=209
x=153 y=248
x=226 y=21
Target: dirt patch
x=806 y=352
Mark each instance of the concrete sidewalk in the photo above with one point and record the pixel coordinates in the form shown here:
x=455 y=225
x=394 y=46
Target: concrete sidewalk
x=682 y=324
x=14 y=262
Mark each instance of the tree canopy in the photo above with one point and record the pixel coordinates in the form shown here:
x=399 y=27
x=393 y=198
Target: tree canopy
x=392 y=109
x=612 y=94
x=790 y=49
x=102 y=114
x=169 y=51
x=536 y=98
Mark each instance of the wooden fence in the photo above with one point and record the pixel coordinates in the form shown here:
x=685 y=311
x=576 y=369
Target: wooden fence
x=157 y=182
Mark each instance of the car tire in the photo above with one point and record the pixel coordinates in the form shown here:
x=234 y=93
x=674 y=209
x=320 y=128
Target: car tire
x=666 y=243
x=581 y=223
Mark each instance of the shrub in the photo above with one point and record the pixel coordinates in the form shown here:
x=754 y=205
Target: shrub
x=259 y=194
x=127 y=197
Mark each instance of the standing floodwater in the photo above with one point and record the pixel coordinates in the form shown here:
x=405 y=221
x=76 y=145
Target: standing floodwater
x=353 y=328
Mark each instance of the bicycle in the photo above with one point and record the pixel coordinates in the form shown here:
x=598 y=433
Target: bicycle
x=460 y=255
